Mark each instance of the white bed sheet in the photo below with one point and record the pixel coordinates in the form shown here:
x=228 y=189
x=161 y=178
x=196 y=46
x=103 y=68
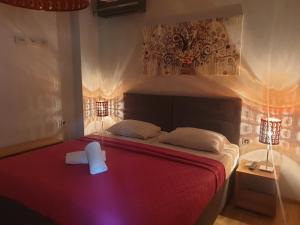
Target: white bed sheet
x=229 y=157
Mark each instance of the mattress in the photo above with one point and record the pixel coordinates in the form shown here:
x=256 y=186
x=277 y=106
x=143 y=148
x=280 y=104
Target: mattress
x=229 y=157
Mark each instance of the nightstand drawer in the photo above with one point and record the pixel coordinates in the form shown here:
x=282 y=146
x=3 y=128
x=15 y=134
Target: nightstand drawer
x=257 y=184
x=257 y=202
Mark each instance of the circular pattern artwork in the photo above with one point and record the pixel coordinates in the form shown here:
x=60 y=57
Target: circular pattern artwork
x=199 y=47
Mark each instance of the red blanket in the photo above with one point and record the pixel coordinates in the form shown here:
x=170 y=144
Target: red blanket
x=144 y=185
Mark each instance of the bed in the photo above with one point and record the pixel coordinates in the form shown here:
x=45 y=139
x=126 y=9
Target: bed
x=219 y=114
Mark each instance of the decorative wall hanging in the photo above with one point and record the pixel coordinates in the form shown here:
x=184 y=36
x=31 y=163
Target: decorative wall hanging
x=200 y=47
x=49 y=5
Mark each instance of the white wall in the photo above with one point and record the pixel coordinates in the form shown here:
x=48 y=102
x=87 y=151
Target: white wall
x=69 y=62
x=32 y=95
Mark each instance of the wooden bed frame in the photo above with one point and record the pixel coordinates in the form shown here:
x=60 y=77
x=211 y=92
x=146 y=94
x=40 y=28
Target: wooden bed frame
x=221 y=114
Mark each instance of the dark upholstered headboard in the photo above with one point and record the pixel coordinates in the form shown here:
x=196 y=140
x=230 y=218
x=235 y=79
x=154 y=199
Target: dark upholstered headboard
x=155 y=109
x=220 y=114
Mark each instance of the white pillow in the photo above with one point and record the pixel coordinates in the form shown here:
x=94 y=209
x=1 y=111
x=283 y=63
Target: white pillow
x=135 y=129
x=195 y=138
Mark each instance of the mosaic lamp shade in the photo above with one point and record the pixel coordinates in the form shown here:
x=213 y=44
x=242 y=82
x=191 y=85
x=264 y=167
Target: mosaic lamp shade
x=102 y=108
x=269 y=131
x=49 y=5
x=269 y=134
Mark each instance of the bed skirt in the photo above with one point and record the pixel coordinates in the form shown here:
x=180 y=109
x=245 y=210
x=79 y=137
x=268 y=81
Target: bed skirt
x=14 y=213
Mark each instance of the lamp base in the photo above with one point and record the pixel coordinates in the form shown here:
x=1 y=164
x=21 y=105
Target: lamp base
x=266 y=166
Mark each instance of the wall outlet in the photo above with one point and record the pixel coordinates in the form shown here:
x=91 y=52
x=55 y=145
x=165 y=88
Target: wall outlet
x=245 y=141
x=61 y=123
x=21 y=39
x=38 y=41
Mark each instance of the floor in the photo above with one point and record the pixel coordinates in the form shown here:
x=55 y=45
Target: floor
x=236 y=216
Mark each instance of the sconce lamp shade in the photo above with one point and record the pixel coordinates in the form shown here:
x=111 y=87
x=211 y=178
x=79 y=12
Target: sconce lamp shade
x=269 y=131
x=102 y=108
x=49 y=5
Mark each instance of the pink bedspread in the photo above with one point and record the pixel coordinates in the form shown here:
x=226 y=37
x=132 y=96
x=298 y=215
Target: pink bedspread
x=144 y=185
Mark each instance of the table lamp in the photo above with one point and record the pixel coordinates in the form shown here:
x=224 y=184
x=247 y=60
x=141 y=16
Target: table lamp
x=269 y=134
x=102 y=111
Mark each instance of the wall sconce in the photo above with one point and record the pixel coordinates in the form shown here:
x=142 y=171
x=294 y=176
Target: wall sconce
x=269 y=134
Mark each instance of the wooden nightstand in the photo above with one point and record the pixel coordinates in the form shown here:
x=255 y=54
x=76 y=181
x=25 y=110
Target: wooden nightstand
x=256 y=190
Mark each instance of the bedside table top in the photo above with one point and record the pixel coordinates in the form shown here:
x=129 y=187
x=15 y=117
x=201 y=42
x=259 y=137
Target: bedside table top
x=242 y=168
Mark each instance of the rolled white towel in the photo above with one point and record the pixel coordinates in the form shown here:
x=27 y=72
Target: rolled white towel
x=80 y=157
x=95 y=158
x=76 y=158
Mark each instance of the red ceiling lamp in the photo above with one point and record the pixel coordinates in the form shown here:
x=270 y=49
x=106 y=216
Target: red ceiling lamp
x=49 y=5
